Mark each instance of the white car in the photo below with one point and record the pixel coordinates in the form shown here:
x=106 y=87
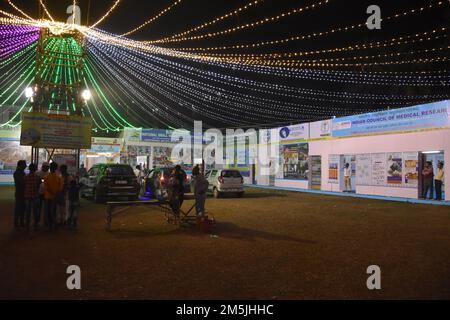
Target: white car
x=225 y=181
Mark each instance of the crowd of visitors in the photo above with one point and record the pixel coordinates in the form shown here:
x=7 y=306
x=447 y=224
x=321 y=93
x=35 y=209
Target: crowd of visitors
x=51 y=190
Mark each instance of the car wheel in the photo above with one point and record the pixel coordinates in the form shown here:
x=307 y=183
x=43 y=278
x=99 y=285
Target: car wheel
x=216 y=193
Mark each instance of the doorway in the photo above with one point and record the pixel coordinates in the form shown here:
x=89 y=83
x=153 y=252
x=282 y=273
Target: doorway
x=351 y=160
x=316 y=172
x=435 y=157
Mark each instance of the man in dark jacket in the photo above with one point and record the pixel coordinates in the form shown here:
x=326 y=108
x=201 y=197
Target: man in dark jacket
x=19 y=183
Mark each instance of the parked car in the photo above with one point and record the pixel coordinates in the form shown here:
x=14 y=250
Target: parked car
x=225 y=181
x=104 y=181
x=156 y=182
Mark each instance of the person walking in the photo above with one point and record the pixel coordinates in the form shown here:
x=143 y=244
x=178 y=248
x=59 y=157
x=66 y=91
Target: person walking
x=41 y=175
x=53 y=185
x=348 y=178
x=32 y=182
x=19 y=183
x=439 y=180
x=428 y=175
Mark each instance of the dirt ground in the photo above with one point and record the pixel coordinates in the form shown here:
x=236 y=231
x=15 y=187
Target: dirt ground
x=267 y=245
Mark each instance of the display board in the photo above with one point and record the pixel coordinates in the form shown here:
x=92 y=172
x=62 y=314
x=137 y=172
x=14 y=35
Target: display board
x=411 y=169
x=43 y=130
x=363 y=170
x=70 y=160
x=320 y=129
x=294 y=133
x=379 y=169
x=162 y=157
x=333 y=168
x=427 y=116
x=396 y=169
x=295 y=161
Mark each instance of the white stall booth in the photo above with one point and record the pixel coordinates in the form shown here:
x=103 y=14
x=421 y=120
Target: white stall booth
x=386 y=152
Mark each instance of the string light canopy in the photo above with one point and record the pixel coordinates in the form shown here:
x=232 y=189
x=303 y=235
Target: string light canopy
x=158 y=83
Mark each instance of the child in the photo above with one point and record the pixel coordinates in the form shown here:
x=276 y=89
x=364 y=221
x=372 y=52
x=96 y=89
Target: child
x=74 y=202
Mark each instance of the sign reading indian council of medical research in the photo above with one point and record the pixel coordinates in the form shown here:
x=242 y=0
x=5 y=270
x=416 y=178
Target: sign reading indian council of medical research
x=42 y=130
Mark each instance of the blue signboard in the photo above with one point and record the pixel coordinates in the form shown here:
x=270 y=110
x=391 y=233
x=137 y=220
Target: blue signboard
x=156 y=135
x=427 y=116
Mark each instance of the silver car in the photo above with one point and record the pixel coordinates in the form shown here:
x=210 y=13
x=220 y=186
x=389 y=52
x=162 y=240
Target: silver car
x=225 y=181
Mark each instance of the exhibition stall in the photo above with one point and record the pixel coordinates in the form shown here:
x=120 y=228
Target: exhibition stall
x=386 y=152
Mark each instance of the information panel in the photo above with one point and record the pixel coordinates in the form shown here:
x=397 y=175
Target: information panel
x=42 y=130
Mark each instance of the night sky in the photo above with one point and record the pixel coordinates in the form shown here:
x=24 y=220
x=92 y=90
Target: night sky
x=338 y=13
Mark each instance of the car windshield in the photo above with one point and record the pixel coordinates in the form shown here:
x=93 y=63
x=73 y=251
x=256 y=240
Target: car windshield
x=119 y=171
x=231 y=174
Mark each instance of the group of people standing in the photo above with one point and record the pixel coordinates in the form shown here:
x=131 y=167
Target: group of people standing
x=176 y=189
x=51 y=189
x=432 y=181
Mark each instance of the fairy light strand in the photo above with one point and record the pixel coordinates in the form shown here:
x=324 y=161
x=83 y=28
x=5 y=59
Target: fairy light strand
x=106 y=15
x=149 y=21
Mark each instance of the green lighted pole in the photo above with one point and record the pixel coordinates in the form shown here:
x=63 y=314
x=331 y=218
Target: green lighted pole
x=59 y=76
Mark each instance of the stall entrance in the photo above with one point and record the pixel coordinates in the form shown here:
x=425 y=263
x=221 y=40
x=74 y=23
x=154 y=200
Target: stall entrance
x=348 y=185
x=435 y=157
x=316 y=173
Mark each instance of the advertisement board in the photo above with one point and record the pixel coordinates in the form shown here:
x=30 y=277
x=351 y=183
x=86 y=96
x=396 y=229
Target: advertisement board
x=70 y=160
x=379 y=169
x=156 y=135
x=294 y=133
x=42 y=130
x=333 y=168
x=295 y=161
x=363 y=170
x=105 y=145
x=320 y=129
x=427 y=116
x=411 y=169
x=394 y=166
x=132 y=134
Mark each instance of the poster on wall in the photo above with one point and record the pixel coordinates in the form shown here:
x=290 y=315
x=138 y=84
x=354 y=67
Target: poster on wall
x=139 y=151
x=295 y=161
x=132 y=134
x=156 y=135
x=320 y=129
x=363 y=170
x=379 y=169
x=162 y=157
x=10 y=153
x=70 y=160
x=411 y=168
x=394 y=167
x=333 y=168
x=295 y=132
